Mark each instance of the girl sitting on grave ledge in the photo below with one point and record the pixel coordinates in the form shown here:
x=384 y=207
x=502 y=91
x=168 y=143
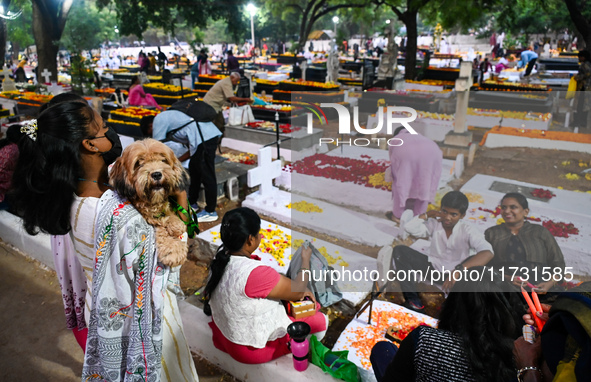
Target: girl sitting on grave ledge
x=243 y=296
x=518 y=243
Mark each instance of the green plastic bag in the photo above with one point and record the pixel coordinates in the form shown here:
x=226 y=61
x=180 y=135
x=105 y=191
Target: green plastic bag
x=338 y=364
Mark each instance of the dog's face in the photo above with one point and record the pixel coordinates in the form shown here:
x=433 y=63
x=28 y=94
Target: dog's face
x=148 y=171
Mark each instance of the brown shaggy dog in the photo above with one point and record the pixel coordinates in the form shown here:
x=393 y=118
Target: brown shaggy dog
x=147 y=173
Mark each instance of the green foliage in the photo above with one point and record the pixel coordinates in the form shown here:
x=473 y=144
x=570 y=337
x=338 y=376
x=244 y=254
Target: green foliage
x=216 y=32
x=134 y=16
x=87 y=27
x=19 y=31
x=273 y=23
x=82 y=75
x=532 y=16
x=458 y=16
x=513 y=42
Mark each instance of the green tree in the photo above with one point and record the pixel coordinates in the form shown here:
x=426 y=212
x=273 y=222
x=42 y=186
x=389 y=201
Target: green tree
x=580 y=14
x=216 y=32
x=134 y=16
x=49 y=20
x=88 y=27
x=19 y=31
x=308 y=12
x=408 y=13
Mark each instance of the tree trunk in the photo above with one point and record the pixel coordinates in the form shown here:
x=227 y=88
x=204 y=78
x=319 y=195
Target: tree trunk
x=46 y=40
x=2 y=42
x=580 y=40
x=582 y=24
x=410 y=65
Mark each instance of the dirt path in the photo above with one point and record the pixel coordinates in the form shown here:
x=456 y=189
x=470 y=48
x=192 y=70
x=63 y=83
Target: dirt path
x=35 y=345
x=34 y=342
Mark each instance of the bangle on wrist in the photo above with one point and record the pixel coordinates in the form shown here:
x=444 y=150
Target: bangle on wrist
x=303 y=269
x=522 y=371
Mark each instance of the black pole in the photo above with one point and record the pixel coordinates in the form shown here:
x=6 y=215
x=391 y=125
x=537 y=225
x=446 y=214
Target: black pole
x=182 y=92
x=277 y=134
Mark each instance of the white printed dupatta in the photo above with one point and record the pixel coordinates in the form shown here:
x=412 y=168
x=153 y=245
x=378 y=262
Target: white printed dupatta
x=125 y=329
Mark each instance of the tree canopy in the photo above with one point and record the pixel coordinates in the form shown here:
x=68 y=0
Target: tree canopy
x=135 y=16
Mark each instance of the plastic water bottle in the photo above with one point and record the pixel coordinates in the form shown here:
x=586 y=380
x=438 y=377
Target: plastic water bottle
x=300 y=346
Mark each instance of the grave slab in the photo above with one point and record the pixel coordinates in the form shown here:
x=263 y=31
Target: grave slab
x=502 y=140
x=298 y=141
x=358 y=197
x=567 y=201
x=359 y=337
x=566 y=206
x=253 y=148
x=38 y=246
x=200 y=341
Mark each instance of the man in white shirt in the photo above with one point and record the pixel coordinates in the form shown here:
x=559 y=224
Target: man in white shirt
x=455 y=245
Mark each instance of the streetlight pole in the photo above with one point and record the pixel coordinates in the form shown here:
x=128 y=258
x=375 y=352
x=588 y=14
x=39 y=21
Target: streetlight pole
x=335 y=20
x=252 y=10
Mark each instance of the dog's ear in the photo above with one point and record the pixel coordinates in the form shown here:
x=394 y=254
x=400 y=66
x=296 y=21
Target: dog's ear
x=181 y=175
x=185 y=179
x=118 y=178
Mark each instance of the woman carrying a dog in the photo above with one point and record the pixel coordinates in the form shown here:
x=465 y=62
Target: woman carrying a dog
x=60 y=188
x=244 y=296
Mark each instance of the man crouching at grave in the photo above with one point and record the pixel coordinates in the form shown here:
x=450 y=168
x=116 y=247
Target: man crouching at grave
x=455 y=246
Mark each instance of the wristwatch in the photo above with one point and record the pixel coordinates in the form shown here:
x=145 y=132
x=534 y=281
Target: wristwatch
x=459 y=267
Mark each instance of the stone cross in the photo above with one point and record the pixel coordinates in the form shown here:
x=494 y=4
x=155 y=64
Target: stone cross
x=6 y=72
x=7 y=83
x=263 y=175
x=46 y=74
x=463 y=84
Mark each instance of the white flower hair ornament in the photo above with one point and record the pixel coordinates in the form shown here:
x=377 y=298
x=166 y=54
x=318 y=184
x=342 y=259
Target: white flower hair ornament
x=30 y=128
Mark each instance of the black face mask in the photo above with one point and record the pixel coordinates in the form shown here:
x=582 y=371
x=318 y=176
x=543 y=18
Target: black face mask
x=116 y=148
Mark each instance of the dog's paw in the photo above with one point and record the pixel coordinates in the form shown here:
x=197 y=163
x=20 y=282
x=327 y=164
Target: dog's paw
x=175 y=226
x=172 y=251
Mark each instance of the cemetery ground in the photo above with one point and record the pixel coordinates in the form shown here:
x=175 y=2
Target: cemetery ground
x=33 y=316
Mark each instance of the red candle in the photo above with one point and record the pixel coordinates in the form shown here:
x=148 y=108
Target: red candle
x=532 y=310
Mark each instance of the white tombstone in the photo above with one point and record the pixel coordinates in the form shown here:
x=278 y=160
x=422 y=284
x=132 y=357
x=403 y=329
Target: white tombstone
x=546 y=52
x=263 y=175
x=7 y=83
x=46 y=74
x=463 y=84
x=55 y=89
x=304 y=67
x=459 y=165
x=6 y=72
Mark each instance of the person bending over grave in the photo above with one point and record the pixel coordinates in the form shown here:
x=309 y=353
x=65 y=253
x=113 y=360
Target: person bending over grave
x=415 y=167
x=180 y=150
x=138 y=97
x=201 y=141
x=519 y=243
x=243 y=296
x=528 y=59
x=473 y=341
x=455 y=245
x=222 y=93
